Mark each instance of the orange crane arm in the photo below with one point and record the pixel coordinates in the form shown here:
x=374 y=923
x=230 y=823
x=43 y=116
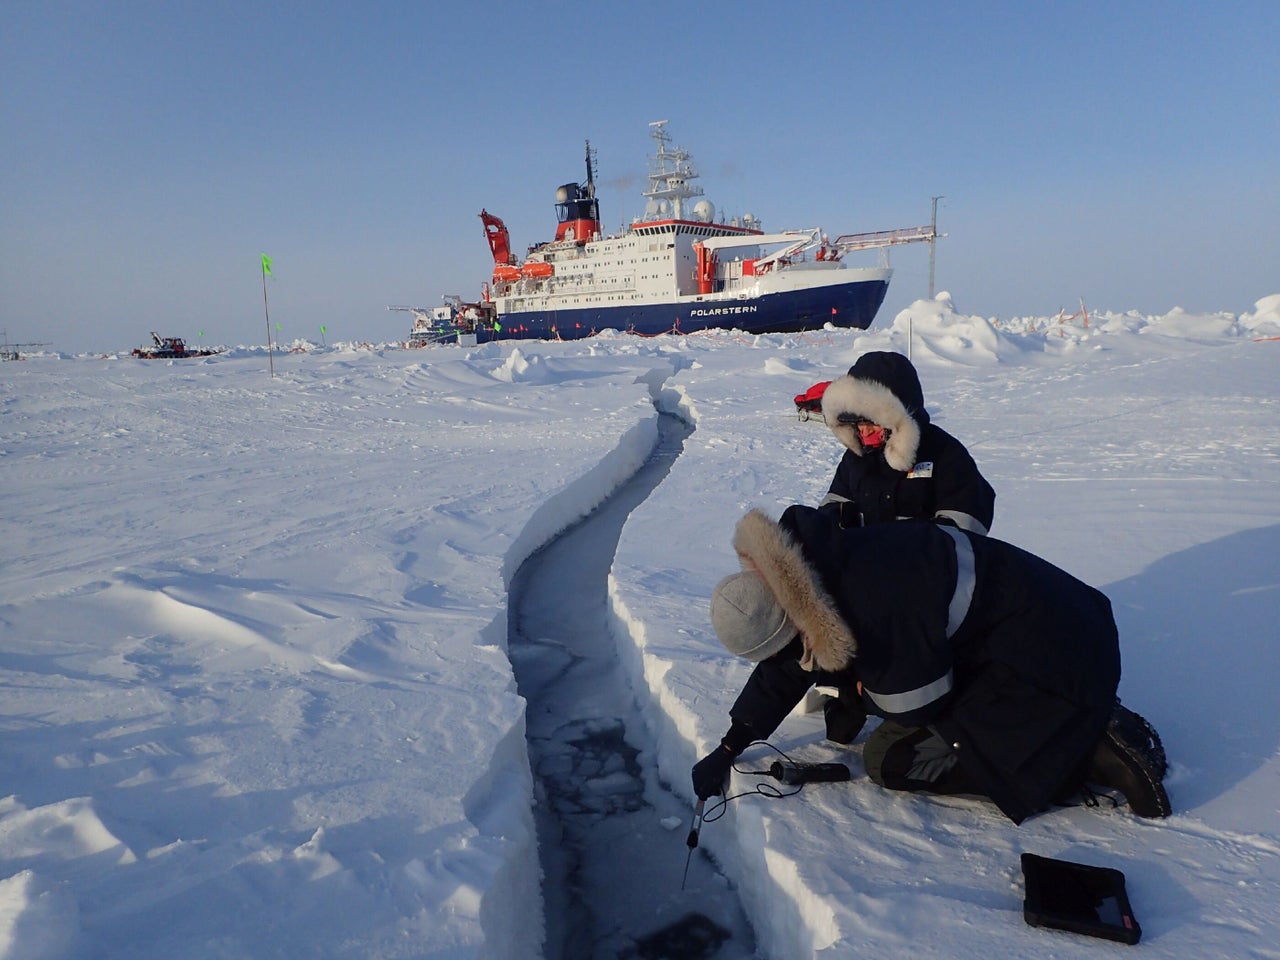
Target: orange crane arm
x=495 y=232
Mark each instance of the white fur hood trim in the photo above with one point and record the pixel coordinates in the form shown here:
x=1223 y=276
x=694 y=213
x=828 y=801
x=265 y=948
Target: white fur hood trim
x=872 y=400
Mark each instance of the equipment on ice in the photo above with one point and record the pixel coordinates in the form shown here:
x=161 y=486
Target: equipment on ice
x=169 y=348
x=809 y=403
x=1078 y=897
x=692 y=840
x=800 y=773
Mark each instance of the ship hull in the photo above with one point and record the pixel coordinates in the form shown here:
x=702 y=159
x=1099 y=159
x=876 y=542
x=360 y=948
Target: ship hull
x=851 y=305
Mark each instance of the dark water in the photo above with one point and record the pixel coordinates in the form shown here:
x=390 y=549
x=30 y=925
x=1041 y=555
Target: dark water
x=612 y=837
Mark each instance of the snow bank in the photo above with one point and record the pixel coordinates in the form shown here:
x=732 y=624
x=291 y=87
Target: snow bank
x=1264 y=321
x=38 y=920
x=253 y=632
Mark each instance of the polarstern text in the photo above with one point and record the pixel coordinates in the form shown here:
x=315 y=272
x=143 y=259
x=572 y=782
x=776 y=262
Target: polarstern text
x=722 y=311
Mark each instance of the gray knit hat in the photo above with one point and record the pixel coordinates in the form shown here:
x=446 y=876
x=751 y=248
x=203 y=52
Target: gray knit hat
x=748 y=618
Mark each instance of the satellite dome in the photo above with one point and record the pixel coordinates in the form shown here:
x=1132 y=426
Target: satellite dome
x=704 y=210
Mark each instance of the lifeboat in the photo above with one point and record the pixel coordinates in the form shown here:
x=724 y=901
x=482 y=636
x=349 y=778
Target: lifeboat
x=505 y=272
x=537 y=268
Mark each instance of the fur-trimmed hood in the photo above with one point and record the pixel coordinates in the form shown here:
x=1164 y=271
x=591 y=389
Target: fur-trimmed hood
x=768 y=549
x=882 y=387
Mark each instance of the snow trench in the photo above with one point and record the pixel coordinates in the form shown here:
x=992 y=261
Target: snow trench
x=619 y=880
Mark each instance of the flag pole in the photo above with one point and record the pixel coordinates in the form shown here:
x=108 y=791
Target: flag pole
x=266 y=272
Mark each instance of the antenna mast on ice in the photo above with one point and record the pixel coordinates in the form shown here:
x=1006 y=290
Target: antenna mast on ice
x=933 y=240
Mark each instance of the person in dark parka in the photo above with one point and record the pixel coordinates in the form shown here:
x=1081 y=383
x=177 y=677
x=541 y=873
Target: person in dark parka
x=898 y=464
x=995 y=671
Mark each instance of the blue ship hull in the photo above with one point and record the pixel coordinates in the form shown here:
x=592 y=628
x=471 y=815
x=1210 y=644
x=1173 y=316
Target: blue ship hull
x=842 y=305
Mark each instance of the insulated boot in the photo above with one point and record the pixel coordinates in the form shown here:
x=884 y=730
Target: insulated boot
x=1139 y=732
x=1130 y=758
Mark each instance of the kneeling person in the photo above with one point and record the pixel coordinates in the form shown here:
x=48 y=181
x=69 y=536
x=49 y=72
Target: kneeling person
x=995 y=671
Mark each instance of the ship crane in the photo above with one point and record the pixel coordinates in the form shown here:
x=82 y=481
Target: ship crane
x=884 y=238
x=796 y=242
x=499 y=238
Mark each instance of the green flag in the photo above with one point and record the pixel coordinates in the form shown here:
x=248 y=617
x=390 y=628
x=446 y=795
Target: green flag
x=323 y=328
x=266 y=265
x=278 y=328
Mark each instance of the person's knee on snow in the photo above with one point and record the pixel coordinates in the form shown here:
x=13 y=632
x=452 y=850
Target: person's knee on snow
x=916 y=759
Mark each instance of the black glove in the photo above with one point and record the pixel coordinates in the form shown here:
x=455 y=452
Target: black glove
x=843 y=513
x=711 y=772
x=845 y=716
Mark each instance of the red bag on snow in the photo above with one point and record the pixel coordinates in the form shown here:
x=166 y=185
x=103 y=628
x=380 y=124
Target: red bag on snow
x=811 y=400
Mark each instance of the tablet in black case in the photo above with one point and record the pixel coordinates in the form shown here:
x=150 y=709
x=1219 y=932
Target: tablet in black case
x=1078 y=897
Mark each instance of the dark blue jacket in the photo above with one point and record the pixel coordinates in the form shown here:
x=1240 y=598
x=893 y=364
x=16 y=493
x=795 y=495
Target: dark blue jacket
x=921 y=473
x=1011 y=659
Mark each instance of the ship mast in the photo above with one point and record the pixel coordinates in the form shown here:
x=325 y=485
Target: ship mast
x=591 y=177
x=670 y=171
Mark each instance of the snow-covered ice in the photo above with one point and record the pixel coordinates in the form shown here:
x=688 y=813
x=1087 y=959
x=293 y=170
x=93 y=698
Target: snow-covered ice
x=257 y=697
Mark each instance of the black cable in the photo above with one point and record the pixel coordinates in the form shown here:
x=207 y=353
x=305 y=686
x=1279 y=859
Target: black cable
x=764 y=789
x=762 y=773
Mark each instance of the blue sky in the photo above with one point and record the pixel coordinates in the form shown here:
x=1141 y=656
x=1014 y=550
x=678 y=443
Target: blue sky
x=1124 y=153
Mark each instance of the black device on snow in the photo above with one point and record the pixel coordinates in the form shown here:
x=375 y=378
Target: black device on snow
x=1078 y=897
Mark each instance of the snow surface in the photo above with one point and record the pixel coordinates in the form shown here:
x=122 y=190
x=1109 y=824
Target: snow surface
x=257 y=699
